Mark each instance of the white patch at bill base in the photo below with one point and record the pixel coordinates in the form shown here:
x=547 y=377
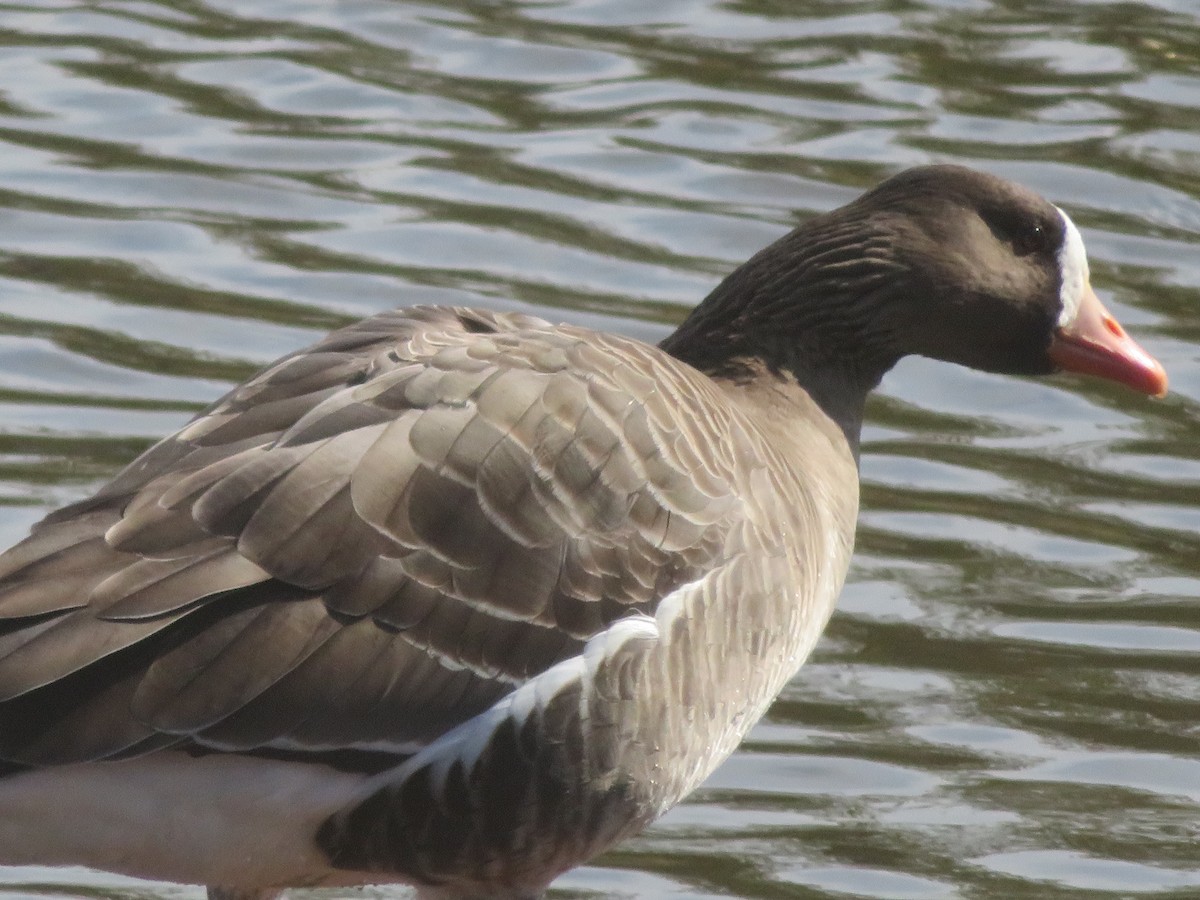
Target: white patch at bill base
x=1072 y=270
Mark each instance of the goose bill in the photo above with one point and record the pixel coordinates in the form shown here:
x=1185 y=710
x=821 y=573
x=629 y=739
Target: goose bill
x=1094 y=343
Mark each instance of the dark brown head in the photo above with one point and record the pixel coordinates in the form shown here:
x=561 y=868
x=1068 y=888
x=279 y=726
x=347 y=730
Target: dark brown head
x=995 y=278
x=940 y=261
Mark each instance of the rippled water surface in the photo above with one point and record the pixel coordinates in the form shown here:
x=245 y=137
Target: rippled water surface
x=1007 y=703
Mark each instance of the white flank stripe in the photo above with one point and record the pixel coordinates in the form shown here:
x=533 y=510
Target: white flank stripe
x=637 y=627
x=672 y=604
x=1072 y=269
x=467 y=742
x=603 y=646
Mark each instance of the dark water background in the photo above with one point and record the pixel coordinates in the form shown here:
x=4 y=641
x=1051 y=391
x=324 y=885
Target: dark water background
x=1007 y=704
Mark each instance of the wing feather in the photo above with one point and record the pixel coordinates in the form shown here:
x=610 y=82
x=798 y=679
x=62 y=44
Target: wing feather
x=67 y=547
x=217 y=672
x=48 y=651
x=150 y=588
x=58 y=581
x=305 y=530
x=365 y=545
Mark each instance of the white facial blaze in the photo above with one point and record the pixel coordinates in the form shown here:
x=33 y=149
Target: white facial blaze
x=1072 y=270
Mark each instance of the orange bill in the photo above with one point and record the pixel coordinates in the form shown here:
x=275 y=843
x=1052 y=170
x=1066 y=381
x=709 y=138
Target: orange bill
x=1096 y=344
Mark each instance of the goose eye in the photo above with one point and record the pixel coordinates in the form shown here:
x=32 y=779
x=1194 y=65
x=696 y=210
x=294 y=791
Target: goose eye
x=1030 y=240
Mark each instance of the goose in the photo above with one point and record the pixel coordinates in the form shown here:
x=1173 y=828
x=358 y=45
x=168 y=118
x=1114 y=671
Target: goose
x=457 y=599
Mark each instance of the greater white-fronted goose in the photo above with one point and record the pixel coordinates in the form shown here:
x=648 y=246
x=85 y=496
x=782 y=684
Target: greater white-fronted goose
x=459 y=599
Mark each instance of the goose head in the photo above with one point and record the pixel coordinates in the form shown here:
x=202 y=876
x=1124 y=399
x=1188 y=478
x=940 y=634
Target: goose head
x=938 y=261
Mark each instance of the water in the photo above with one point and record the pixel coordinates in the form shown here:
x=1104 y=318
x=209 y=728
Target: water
x=1006 y=704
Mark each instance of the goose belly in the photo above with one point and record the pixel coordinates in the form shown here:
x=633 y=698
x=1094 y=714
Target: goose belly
x=219 y=819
